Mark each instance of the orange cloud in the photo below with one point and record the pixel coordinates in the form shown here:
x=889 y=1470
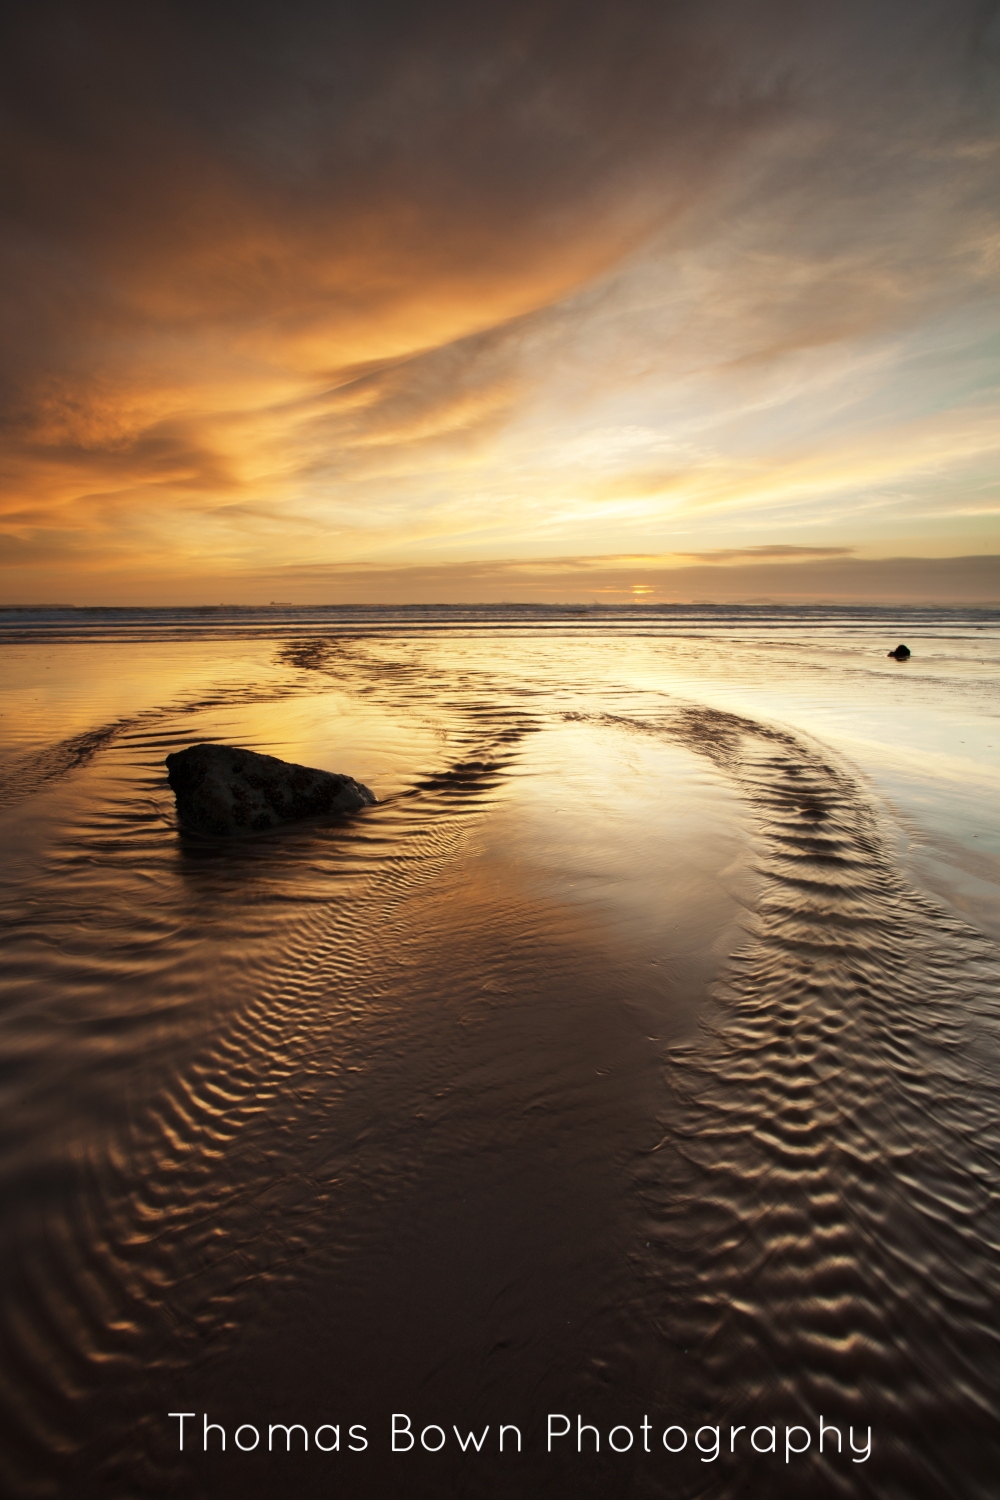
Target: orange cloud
x=410 y=280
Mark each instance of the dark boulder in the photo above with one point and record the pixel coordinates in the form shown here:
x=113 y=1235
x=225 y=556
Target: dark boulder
x=222 y=790
x=901 y=653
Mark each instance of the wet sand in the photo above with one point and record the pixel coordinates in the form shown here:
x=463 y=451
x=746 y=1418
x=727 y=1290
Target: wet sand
x=613 y=1065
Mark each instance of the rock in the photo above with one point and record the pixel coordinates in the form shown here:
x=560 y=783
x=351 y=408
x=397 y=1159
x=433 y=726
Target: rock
x=901 y=653
x=223 y=790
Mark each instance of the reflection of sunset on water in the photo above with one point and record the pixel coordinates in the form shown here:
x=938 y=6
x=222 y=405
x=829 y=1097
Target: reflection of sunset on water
x=574 y=1075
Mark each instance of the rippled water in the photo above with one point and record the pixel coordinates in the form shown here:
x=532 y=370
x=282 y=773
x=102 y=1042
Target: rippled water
x=635 y=1057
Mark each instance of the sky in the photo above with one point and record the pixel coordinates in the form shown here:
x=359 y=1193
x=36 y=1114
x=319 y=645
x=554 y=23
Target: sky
x=445 y=301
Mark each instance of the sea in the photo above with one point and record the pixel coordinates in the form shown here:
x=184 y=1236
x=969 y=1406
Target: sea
x=612 y=1109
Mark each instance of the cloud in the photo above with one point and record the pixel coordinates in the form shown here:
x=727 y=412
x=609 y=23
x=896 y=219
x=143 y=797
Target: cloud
x=590 y=581
x=776 y=553
x=367 y=280
x=956 y=580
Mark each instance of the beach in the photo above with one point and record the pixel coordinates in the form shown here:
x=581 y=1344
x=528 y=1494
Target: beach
x=633 y=1059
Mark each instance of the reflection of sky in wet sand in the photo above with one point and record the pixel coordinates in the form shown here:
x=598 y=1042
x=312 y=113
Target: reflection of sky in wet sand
x=594 y=1068
x=644 y=841
x=927 y=734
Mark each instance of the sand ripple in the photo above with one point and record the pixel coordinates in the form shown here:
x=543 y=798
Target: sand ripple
x=818 y=1212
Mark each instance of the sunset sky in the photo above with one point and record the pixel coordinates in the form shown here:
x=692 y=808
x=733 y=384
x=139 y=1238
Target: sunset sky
x=541 y=300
